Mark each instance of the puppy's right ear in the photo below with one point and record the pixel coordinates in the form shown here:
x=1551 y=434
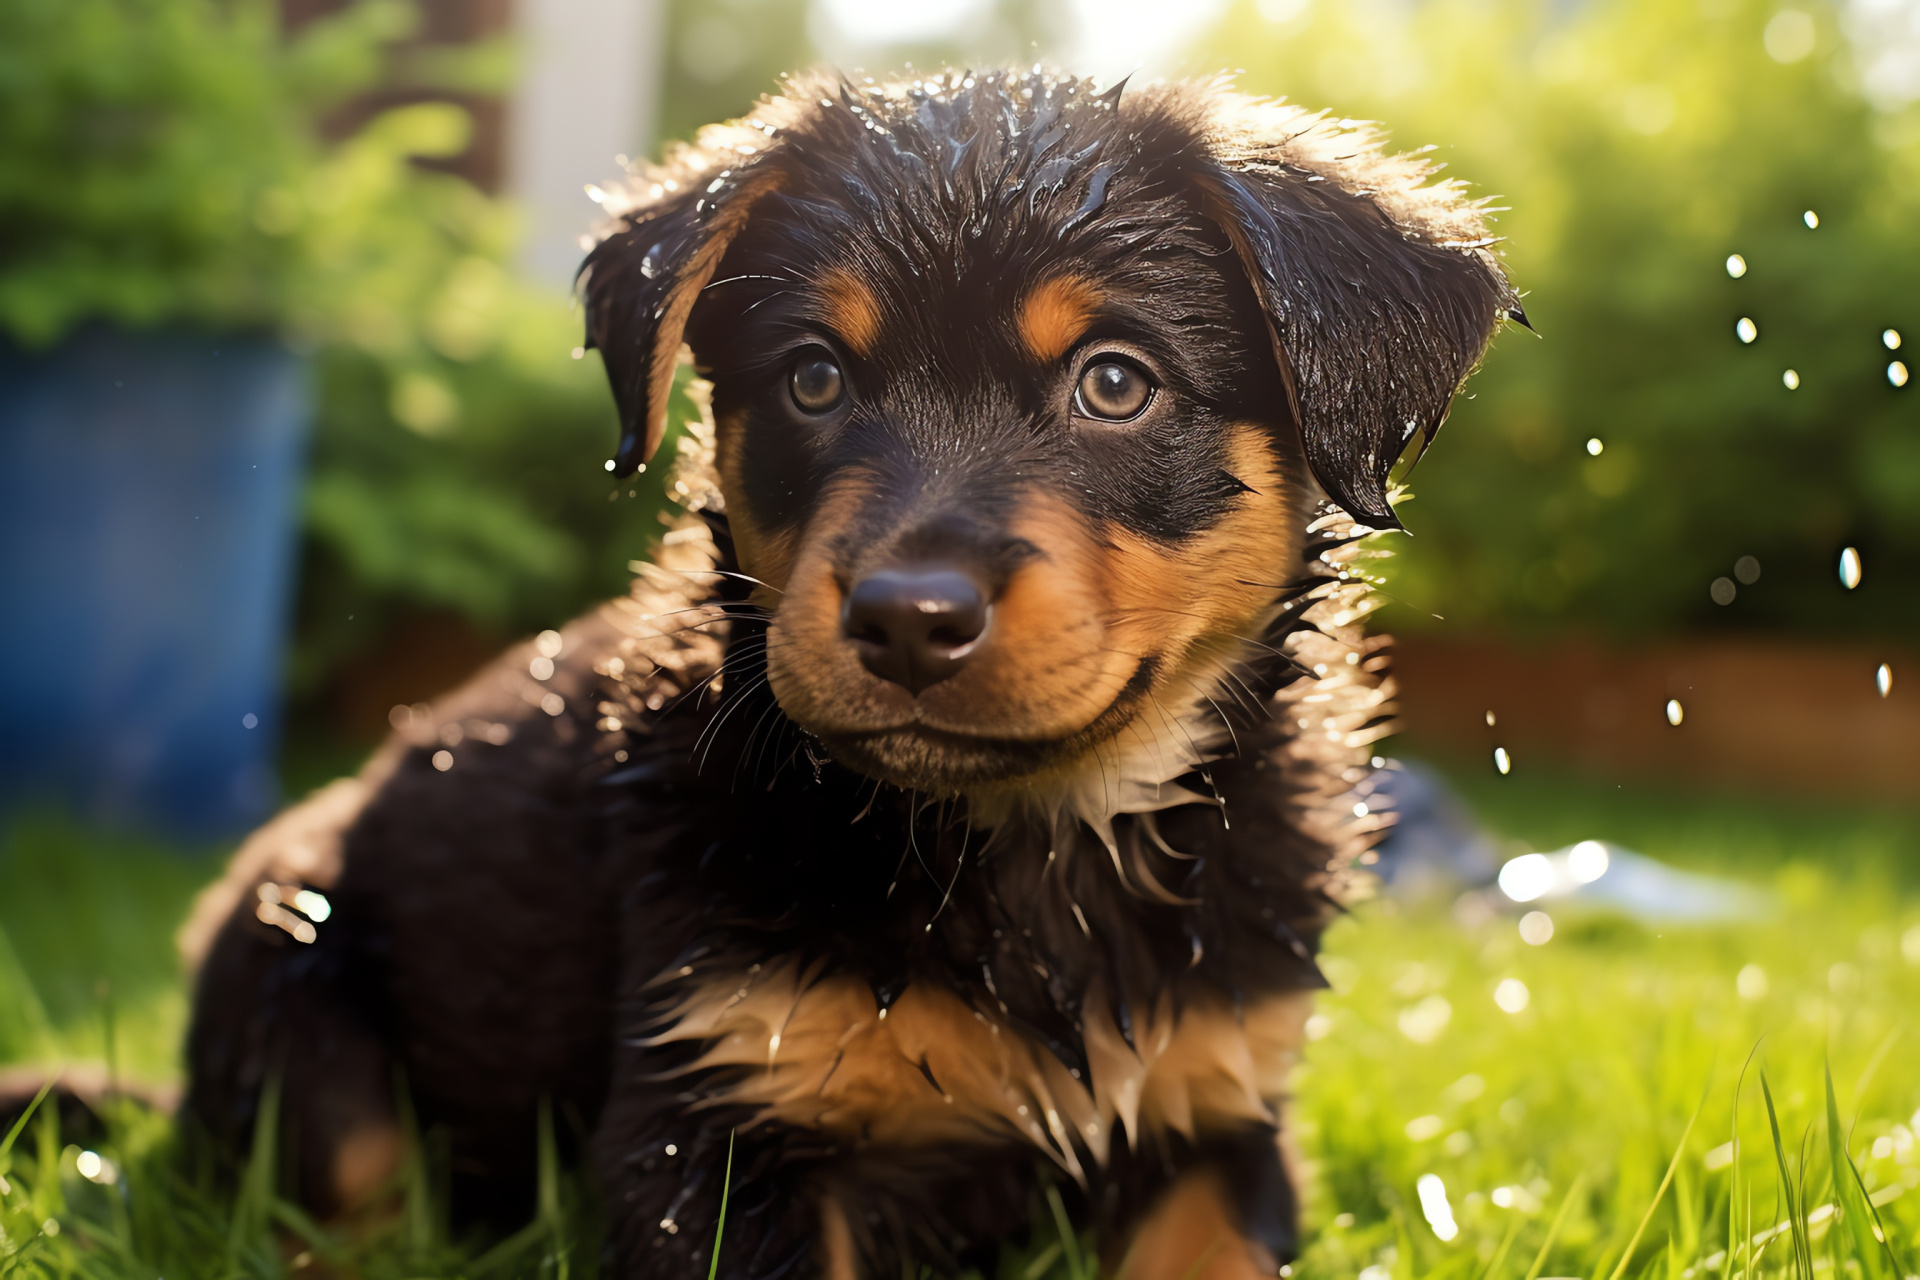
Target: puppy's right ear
x=641 y=281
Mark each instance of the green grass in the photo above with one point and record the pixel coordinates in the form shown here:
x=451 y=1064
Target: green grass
x=1587 y=1134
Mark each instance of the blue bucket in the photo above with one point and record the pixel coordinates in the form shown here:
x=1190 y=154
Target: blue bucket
x=149 y=490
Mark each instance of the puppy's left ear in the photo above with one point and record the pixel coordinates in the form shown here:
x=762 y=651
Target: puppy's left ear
x=1377 y=284
x=641 y=281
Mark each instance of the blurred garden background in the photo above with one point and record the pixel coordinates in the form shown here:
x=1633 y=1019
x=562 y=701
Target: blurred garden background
x=295 y=432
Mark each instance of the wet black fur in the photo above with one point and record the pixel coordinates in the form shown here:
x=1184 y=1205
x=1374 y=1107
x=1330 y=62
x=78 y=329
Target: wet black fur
x=500 y=930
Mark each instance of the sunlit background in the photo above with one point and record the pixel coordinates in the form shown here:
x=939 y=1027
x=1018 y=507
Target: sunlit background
x=294 y=434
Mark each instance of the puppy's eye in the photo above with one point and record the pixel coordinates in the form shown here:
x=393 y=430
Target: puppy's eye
x=816 y=384
x=1113 y=390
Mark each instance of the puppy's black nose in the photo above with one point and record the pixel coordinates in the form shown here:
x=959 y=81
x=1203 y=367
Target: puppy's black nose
x=915 y=625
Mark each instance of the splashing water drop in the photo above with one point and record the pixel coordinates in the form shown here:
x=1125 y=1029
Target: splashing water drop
x=1897 y=374
x=1746 y=330
x=1527 y=877
x=1434 y=1206
x=1883 y=679
x=1790 y=380
x=1850 y=568
x=1588 y=861
x=1736 y=265
x=1675 y=712
x=1594 y=447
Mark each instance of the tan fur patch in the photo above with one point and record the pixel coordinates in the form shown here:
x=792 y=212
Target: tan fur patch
x=1191 y=1235
x=367 y=1157
x=667 y=343
x=851 y=309
x=818 y=1052
x=838 y=1259
x=1055 y=313
x=762 y=555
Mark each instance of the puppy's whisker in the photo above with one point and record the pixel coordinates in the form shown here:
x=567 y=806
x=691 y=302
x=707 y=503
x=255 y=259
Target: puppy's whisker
x=711 y=732
x=715 y=284
x=730 y=573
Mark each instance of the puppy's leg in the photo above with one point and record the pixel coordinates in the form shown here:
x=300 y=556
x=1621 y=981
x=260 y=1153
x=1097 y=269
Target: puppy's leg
x=1194 y=1234
x=284 y=994
x=1229 y=1217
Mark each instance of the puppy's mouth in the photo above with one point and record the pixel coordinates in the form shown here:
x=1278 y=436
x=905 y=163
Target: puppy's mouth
x=913 y=753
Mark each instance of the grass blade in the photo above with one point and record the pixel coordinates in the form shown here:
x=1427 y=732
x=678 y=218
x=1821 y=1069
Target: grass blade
x=1069 y=1242
x=720 y=1228
x=1796 y=1208
x=1850 y=1197
x=20 y=1125
x=1660 y=1194
x=1500 y=1254
x=1559 y=1220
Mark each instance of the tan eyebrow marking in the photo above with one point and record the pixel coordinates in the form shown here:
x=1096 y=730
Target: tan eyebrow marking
x=1055 y=313
x=851 y=309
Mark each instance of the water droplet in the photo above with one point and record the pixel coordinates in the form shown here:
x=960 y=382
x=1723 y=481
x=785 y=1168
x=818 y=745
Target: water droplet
x=1790 y=380
x=1723 y=591
x=1594 y=446
x=1850 y=568
x=1675 y=712
x=1747 y=570
x=1489 y=719
x=1897 y=374
x=1588 y=860
x=1890 y=338
x=1811 y=218
x=1746 y=330
x=1883 y=679
x=1502 y=761
x=1736 y=265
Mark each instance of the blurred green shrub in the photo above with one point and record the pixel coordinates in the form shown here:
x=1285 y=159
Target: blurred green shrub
x=163 y=163
x=159 y=161
x=1638 y=144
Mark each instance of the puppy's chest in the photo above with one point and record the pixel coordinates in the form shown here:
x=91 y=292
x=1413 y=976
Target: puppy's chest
x=802 y=1045
x=906 y=981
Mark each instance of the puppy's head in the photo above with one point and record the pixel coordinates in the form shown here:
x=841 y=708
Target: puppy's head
x=1024 y=392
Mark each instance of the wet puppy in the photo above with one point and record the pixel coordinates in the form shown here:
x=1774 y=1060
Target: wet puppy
x=951 y=812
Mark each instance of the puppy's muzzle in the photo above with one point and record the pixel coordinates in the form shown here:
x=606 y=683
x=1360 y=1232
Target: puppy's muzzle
x=916 y=625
